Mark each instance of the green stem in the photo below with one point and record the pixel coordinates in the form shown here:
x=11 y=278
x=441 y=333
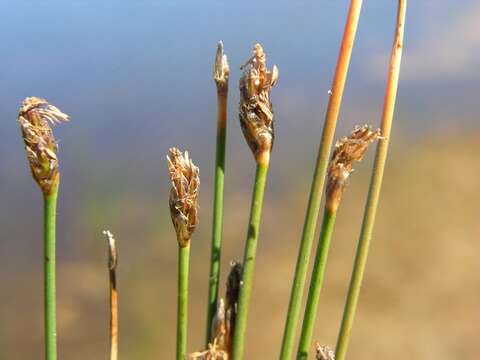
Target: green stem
x=313 y=208
x=249 y=261
x=316 y=282
x=49 y=208
x=214 y=278
x=182 y=300
x=374 y=190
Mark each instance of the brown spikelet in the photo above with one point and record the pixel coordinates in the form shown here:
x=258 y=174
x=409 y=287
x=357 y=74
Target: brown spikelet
x=347 y=151
x=183 y=199
x=35 y=117
x=256 y=113
x=212 y=353
x=324 y=353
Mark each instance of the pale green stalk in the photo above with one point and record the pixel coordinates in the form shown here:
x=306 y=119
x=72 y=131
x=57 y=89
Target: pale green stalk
x=375 y=186
x=182 y=300
x=50 y=206
x=316 y=283
x=249 y=260
x=316 y=190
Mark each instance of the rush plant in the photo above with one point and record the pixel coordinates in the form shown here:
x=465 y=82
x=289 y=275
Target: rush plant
x=35 y=117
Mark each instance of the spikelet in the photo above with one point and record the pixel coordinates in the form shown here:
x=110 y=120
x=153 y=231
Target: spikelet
x=35 y=117
x=255 y=110
x=347 y=151
x=183 y=199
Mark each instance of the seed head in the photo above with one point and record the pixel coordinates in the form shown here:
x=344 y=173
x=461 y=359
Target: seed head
x=35 y=117
x=347 y=151
x=256 y=113
x=324 y=353
x=221 y=70
x=183 y=195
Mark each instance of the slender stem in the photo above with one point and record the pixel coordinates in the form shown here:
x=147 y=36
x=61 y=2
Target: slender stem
x=214 y=278
x=113 y=316
x=249 y=260
x=375 y=186
x=50 y=206
x=112 y=272
x=316 y=190
x=182 y=300
x=316 y=283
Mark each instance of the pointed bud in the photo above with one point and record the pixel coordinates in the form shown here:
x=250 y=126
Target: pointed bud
x=221 y=70
x=256 y=113
x=112 y=250
x=35 y=117
x=183 y=195
x=347 y=151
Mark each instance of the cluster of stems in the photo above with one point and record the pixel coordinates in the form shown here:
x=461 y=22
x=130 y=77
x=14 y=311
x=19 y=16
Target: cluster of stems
x=375 y=186
x=313 y=207
x=226 y=322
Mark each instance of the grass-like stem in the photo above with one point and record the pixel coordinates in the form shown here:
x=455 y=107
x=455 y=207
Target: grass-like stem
x=249 y=257
x=182 y=300
x=316 y=283
x=313 y=208
x=215 y=257
x=375 y=187
x=50 y=322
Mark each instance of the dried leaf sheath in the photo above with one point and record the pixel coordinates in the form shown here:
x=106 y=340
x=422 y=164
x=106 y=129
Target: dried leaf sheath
x=183 y=199
x=35 y=116
x=256 y=113
x=347 y=151
x=233 y=291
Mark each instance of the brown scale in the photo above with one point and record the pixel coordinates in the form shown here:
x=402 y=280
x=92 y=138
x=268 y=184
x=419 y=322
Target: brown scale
x=35 y=116
x=255 y=110
x=183 y=199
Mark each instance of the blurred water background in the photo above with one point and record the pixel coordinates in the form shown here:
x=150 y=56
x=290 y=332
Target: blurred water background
x=135 y=76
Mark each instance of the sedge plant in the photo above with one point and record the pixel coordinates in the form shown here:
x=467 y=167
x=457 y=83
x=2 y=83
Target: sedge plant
x=316 y=190
x=35 y=117
x=375 y=186
x=112 y=275
x=220 y=75
x=183 y=202
x=256 y=120
x=347 y=151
